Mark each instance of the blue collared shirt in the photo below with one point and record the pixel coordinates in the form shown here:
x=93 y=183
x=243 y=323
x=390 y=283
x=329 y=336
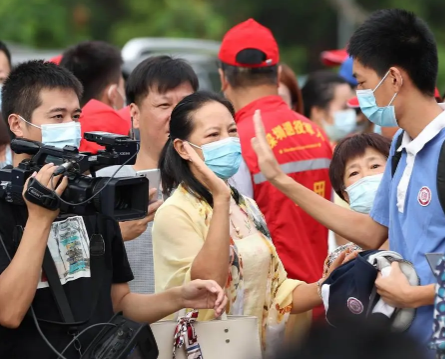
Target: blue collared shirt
x=409 y=206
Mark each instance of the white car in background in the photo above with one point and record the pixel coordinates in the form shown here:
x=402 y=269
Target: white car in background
x=201 y=54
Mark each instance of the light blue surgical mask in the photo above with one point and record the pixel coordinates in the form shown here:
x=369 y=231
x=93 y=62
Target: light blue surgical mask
x=345 y=123
x=60 y=134
x=362 y=193
x=222 y=157
x=381 y=116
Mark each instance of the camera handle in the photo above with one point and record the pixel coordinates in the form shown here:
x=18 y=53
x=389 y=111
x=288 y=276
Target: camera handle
x=40 y=195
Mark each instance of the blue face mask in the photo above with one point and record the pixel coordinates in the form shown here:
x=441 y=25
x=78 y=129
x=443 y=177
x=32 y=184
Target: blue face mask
x=345 y=122
x=381 y=116
x=222 y=157
x=60 y=134
x=362 y=193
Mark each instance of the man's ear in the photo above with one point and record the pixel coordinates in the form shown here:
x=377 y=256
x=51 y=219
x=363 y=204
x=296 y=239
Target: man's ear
x=111 y=94
x=396 y=77
x=135 y=114
x=15 y=125
x=223 y=79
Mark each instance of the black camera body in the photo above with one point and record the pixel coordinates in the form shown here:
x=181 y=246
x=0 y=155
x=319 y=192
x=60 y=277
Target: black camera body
x=121 y=198
x=127 y=340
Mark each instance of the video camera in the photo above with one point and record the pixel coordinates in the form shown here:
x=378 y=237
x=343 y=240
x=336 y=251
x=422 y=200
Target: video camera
x=123 y=199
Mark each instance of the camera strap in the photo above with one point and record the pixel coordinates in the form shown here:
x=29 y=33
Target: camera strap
x=56 y=288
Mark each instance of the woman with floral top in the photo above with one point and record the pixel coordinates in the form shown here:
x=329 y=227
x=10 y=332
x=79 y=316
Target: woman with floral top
x=207 y=230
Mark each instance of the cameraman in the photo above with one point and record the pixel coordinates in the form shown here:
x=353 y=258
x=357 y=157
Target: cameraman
x=41 y=102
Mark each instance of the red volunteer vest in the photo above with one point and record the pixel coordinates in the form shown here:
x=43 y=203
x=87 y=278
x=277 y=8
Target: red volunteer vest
x=304 y=153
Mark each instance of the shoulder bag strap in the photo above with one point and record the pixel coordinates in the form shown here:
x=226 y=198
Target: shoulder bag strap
x=397 y=155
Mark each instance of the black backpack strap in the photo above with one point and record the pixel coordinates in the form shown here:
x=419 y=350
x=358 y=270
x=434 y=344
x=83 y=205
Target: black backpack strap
x=441 y=177
x=397 y=155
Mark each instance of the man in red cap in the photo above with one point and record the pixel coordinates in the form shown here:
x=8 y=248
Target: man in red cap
x=98 y=67
x=249 y=74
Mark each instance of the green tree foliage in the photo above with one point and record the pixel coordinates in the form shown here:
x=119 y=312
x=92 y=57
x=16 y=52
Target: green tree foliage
x=169 y=18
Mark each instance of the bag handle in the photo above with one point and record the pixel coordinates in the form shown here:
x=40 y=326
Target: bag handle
x=183 y=313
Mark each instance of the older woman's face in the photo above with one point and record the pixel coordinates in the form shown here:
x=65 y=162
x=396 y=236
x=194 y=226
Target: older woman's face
x=371 y=163
x=212 y=122
x=285 y=94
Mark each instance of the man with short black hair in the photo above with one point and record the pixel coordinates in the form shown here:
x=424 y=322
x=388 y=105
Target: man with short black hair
x=49 y=114
x=249 y=72
x=97 y=65
x=5 y=62
x=396 y=66
x=153 y=89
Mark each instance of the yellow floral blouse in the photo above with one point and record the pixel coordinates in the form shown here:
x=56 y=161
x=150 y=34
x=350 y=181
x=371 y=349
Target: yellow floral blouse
x=257 y=283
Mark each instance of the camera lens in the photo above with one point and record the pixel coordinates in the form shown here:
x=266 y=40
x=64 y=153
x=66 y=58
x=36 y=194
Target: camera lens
x=121 y=201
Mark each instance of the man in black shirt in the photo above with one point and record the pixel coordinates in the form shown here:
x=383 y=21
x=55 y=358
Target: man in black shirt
x=41 y=102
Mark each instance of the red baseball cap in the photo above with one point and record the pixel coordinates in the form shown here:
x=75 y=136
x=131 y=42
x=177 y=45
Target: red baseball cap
x=353 y=102
x=56 y=59
x=334 y=57
x=249 y=35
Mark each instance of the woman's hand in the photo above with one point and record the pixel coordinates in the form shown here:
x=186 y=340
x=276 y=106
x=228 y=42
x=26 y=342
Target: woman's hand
x=266 y=160
x=216 y=185
x=203 y=294
x=340 y=260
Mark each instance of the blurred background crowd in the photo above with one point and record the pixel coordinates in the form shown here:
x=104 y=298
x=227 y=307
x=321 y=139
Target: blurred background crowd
x=47 y=27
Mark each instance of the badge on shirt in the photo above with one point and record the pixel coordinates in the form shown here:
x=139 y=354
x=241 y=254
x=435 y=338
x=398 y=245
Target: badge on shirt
x=424 y=196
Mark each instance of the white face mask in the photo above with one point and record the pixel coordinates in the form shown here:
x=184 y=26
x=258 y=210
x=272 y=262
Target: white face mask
x=60 y=134
x=362 y=193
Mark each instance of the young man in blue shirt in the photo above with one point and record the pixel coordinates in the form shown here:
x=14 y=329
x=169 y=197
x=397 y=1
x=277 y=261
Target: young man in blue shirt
x=396 y=65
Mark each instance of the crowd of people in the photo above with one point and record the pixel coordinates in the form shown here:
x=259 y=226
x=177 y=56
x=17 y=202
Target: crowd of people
x=265 y=191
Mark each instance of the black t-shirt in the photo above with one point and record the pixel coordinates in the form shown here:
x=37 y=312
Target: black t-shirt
x=25 y=342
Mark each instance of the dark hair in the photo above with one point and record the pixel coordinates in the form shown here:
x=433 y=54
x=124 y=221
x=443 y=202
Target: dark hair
x=161 y=72
x=96 y=64
x=352 y=147
x=21 y=90
x=5 y=50
x=395 y=37
x=5 y=139
x=244 y=77
x=319 y=90
x=289 y=79
x=174 y=169
x=356 y=339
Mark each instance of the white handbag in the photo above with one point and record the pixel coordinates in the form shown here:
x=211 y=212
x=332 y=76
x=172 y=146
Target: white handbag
x=234 y=337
